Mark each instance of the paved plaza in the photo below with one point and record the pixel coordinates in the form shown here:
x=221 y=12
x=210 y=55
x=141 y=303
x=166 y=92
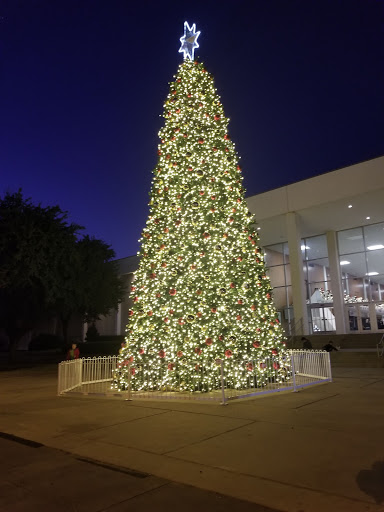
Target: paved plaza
x=315 y=450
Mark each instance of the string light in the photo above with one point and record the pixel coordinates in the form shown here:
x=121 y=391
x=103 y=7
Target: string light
x=201 y=293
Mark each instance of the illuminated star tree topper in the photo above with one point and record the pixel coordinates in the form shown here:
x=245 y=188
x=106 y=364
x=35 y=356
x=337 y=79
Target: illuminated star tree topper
x=189 y=41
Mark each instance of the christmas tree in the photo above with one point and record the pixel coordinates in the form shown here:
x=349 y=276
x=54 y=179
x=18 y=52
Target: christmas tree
x=201 y=294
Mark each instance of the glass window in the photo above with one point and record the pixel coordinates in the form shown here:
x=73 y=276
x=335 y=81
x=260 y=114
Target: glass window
x=351 y=240
x=280 y=297
x=274 y=255
x=318 y=270
x=277 y=276
x=319 y=293
x=374 y=236
x=316 y=247
x=353 y=265
x=375 y=262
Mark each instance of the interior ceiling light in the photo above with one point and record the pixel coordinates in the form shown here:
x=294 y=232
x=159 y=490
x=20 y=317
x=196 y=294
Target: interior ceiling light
x=349 y=206
x=345 y=262
x=375 y=247
x=368 y=218
x=303 y=247
x=372 y=274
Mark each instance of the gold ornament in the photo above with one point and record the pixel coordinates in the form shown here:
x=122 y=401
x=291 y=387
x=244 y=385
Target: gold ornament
x=190 y=318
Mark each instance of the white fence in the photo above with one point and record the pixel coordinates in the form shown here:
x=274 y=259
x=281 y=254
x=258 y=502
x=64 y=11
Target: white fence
x=94 y=376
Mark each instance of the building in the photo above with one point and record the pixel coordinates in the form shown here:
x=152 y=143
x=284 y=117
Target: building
x=323 y=239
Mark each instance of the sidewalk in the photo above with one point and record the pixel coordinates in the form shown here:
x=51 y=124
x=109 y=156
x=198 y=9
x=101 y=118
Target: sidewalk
x=309 y=451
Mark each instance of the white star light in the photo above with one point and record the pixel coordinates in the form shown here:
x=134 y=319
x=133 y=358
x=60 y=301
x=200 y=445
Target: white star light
x=189 y=41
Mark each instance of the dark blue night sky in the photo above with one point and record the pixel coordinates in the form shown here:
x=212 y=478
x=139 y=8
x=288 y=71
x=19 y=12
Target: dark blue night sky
x=83 y=83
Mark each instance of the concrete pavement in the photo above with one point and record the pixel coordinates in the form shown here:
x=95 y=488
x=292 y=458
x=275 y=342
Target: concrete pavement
x=319 y=449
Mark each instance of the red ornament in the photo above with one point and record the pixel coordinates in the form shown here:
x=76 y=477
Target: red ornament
x=268 y=295
x=263 y=365
x=133 y=288
x=213 y=210
x=206 y=235
x=201 y=141
x=163 y=264
x=198 y=350
x=199 y=314
x=238 y=317
x=199 y=292
x=166 y=230
x=133 y=371
x=239 y=301
x=158 y=295
x=217 y=117
x=275 y=351
x=208 y=341
x=162 y=247
x=240 y=258
x=238 y=200
x=141 y=351
x=135 y=299
x=232 y=285
x=256 y=344
x=276 y=366
x=228 y=353
x=130 y=312
x=202 y=192
x=161 y=354
x=166 y=320
x=230 y=220
x=150 y=313
x=171 y=311
x=172 y=292
x=234 y=210
x=249 y=367
x=179 y=353
x=181 y=321
x=213 y=310
x=221 y=337
x=253 y=307
x=238 y=168
x=213 y=198
x=171 y=366
x=214 y=149
x=227 y=137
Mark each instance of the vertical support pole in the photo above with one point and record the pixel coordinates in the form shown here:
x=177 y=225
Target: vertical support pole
x=328 y=356
x=336 y=286
x=80 y=371
x=299 y=293
x=129 y=399
x=223 y=399
x=293 y=372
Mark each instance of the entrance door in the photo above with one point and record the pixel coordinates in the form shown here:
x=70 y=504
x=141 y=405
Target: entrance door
x=358 y=317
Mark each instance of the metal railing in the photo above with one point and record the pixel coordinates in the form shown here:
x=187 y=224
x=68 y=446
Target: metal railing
x=96 y=375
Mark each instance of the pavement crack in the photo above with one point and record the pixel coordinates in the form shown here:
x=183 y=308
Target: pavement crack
x=132 y=497
x=315 y=401
x=128 y=421
x=210 y=437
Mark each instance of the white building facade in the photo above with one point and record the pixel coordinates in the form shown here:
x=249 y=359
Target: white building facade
x=324 y=248
x=323 y=240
